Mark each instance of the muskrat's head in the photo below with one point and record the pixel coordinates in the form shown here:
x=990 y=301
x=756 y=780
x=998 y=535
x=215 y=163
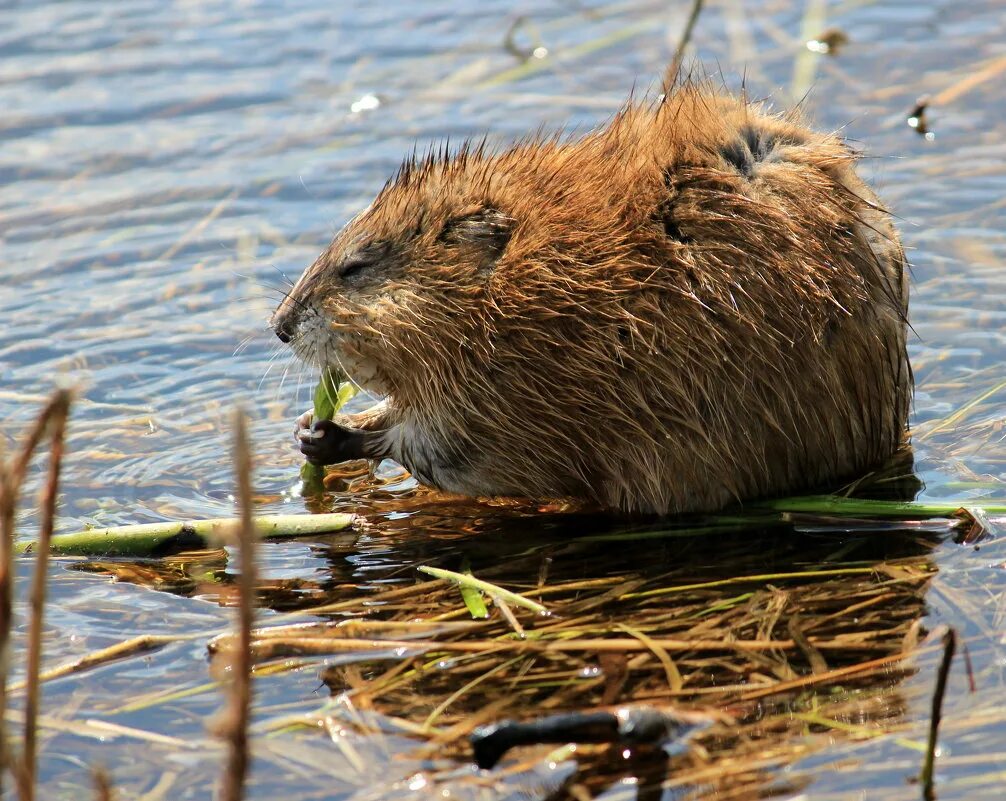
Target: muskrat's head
x=418 y=258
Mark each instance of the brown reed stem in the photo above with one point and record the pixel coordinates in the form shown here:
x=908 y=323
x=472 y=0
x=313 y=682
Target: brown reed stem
x=11 y=478
x=928 y=765
x=239 y=701
x=37 y=432
x=671 y=76
x=59 y=410
x=6 y=601
x=103 y=785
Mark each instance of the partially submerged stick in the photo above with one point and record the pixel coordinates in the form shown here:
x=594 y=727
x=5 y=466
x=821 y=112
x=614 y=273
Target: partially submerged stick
x=143 y=644
x=326 y=644
x=159 y=539
x=636 y=726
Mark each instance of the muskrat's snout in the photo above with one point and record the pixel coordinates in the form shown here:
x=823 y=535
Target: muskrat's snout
x=289 y=316
x=284 y=322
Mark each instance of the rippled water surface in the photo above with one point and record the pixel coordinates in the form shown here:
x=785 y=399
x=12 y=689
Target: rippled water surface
x=164 y=164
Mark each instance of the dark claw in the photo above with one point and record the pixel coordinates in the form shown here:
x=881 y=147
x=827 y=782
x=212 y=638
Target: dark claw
x=327 y=442
x=324 y=442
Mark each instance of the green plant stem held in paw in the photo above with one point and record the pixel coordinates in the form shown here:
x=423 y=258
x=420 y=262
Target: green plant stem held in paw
x=329 y=396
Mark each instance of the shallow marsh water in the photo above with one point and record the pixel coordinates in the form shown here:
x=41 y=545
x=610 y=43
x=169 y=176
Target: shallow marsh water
x=163 y=164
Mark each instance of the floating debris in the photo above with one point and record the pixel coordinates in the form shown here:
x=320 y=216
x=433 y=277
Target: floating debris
x=367 y=102
x=917 y=119
x=829 y=43
x=524 y=53
x=974 y=527
x=631 y=726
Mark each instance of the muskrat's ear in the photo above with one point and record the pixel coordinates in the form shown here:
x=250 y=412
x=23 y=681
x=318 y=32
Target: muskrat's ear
x=488 y=229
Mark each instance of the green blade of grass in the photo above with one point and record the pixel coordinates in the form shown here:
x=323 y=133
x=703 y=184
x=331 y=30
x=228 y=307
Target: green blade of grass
x=472 y=597
x=863 y=507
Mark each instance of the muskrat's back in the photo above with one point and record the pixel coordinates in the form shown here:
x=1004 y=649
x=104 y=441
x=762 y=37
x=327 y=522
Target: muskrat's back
x=697 y=304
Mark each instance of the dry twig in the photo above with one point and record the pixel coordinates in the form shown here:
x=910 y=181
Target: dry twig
x=103 y=785
x=11 y=479
x=235 y=727
x=60 y=408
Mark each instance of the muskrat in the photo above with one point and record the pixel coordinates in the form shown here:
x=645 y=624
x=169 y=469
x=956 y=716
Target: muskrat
x=696 y=304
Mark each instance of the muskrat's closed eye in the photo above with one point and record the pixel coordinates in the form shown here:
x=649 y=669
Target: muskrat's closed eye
x=363 y=261
x=354 y=265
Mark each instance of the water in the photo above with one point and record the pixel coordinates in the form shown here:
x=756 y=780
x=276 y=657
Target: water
x=164 y=164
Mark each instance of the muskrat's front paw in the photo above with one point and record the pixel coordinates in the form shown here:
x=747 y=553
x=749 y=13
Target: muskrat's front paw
x=324 y=442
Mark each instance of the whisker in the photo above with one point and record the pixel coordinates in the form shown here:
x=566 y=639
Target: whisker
x=283 y=275
x=265 y=375
x=286 y=372
x=278 y=290
x=250 y=298
x=242 y=346
x=291 y=298
x=298 y=393
x=272 y=361
x=269 y=365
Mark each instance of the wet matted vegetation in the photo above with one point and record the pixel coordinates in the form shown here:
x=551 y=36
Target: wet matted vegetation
x=160 y=166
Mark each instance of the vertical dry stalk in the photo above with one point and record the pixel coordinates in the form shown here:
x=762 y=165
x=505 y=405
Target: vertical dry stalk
x=42 y=425
x=235 y=726
x=102 y=785
x=671 y=76
x=6 y=604
x=6 y=600
x=60 y=408
x=11 y=478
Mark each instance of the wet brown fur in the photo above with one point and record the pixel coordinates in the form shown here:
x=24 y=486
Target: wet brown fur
x=697 y=304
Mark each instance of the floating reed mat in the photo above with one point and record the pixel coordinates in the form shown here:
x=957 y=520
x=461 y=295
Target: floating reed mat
x=772 y=656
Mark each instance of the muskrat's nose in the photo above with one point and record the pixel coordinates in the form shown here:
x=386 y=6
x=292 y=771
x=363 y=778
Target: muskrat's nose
x=284 y=325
